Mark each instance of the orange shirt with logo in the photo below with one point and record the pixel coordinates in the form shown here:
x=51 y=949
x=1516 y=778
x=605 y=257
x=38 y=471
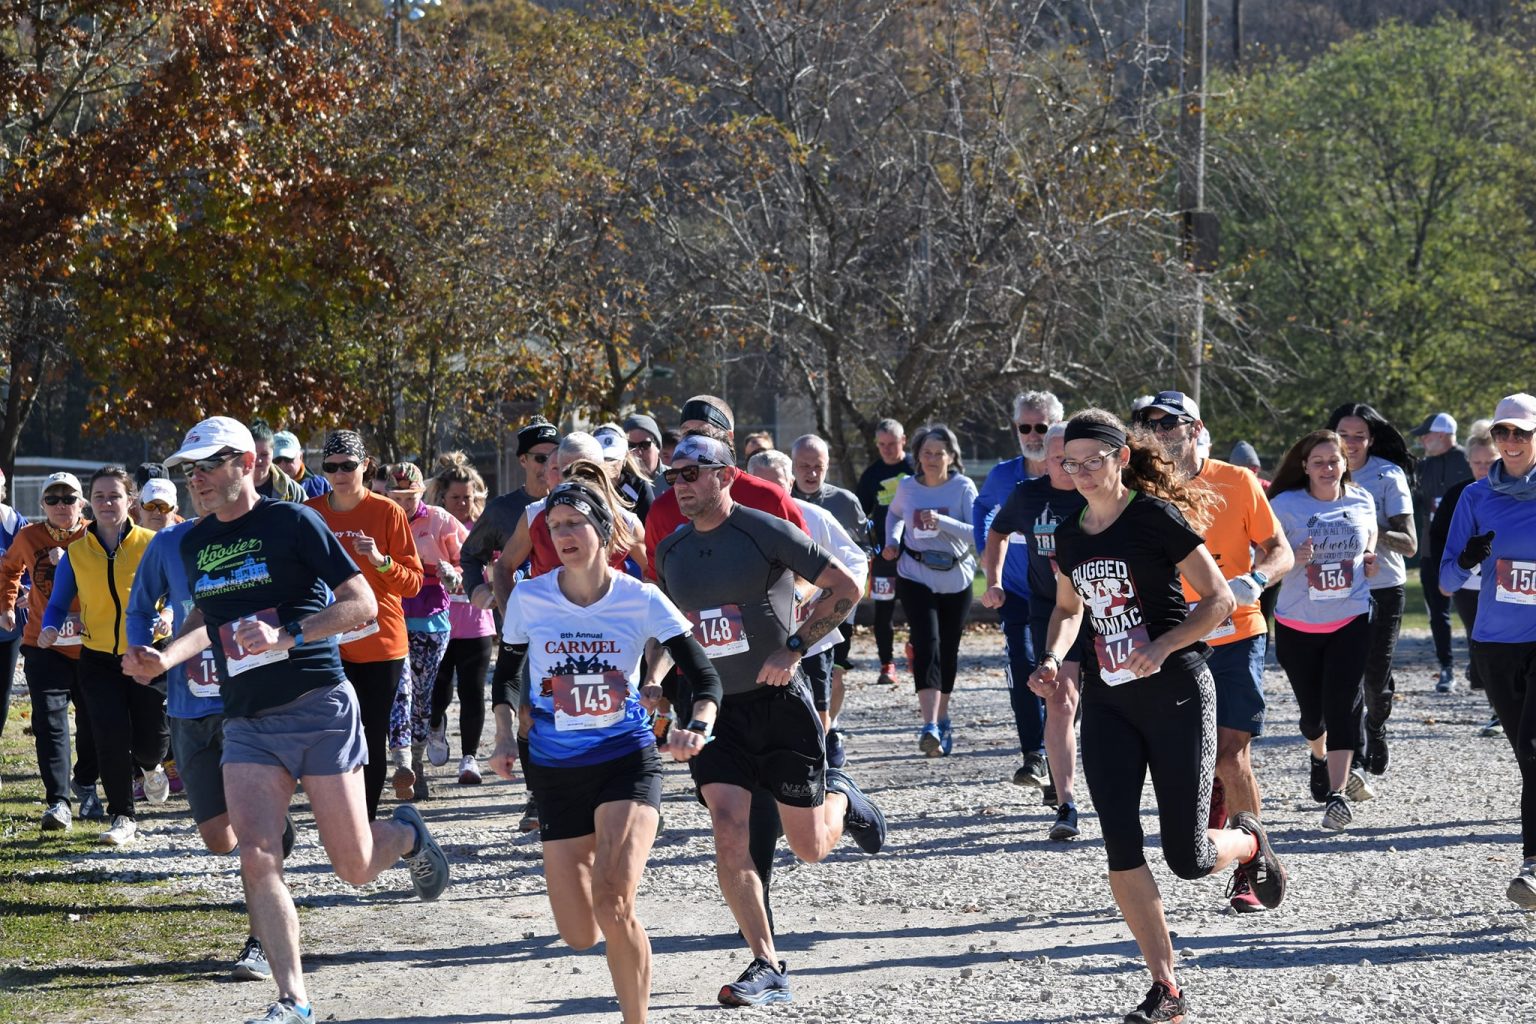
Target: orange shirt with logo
x=385 y=522
x=1242 y=518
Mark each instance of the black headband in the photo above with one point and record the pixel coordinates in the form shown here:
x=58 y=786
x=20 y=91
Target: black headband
x=586 y=501
x=1087 y=430
x=698 y=409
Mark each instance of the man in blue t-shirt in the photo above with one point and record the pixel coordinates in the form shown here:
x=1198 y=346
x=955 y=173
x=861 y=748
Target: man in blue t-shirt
x=260 y=573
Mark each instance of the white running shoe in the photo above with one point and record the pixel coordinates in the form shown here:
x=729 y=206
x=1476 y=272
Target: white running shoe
x=1337 y=815
x=1522 y=888
x=157 y=785
x=437 y=745
x=122 y=831
x=1358 y=789
x=469 y=771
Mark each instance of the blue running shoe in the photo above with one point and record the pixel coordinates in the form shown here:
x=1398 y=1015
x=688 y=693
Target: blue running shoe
x=90 y=803
x=837 y=751
x=863 y=820
x=946 y=738
x=929 y=741
x=760 y=984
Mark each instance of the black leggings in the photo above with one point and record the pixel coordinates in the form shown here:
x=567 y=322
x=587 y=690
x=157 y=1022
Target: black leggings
x=466 y=659
x=128 y=723
x=1386 y=619
x=1509 y=673
x=1165 y=724
x=375 y=683
x=1325 y=670
x=1466 y=610
x=935 y=623
x=885 y=631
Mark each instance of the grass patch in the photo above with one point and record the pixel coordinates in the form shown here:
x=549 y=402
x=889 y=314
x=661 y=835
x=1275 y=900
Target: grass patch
x=72 y=930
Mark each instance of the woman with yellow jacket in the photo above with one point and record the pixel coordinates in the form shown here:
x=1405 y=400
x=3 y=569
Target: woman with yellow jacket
x=127 y=718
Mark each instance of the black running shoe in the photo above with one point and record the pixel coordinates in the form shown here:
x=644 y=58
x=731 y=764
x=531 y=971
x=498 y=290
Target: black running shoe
x=1319 y=779
x=1376 y=753
x=1033 y=774
x=1265 y=872
x=1065 y=828
x=761 y=983
x=1160 y=1007
x=290 y=834
x=863 y=820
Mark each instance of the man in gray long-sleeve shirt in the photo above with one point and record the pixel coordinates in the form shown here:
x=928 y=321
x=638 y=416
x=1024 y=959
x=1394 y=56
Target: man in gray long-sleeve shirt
x=1443 y=466
x=536 y=444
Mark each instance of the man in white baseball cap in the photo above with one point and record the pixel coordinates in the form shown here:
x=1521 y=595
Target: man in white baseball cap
x=216 y=436
x=1443 y=466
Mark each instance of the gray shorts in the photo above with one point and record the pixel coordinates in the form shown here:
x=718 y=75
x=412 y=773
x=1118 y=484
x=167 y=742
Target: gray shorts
x=320 y=733
x=199 y=747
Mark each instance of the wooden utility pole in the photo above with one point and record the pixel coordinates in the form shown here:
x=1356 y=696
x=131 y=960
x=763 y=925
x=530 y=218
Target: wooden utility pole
x=1194 y=225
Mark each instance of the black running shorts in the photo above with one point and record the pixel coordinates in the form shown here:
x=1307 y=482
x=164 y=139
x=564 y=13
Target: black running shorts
x=770 y=738
x=568 y=798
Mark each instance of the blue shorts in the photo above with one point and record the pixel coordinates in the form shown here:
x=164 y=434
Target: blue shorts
x=320 y=733
x=1238 y=668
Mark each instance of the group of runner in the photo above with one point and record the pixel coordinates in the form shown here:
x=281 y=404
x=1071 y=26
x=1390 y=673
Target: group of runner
x=652 y=597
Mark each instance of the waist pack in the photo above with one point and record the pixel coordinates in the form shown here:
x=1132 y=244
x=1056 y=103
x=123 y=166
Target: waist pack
x=941 y=560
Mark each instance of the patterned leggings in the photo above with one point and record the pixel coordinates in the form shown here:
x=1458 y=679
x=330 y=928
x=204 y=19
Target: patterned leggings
x=413 y=700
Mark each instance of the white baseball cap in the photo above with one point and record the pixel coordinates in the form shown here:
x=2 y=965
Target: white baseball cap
x=1518 y=410
x=158 y=489
x=615 y=445
x=208 y=438
x=63 y=480
x=1438 y=423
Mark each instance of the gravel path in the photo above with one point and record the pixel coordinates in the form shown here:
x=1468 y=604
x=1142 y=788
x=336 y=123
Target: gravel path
x=969 y=915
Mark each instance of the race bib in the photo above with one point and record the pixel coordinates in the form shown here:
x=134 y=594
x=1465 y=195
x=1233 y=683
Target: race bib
x=458 y=599
x=1045 y=544
x=1330 y=581
x=366 y=629
x=918 y=533
x=592 y=701
x=882 y=588
x=72 y=633
x=719 y=631
x=237 y=659
x=1224 y=628
x=203 y=675
x=1018 y=538
x=1516 y=581
x=1114 y=651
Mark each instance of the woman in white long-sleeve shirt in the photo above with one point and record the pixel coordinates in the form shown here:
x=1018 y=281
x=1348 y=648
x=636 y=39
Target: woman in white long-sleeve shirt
x=928 y=535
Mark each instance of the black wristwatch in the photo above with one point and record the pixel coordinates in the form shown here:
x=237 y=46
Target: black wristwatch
x=701 y=727
x=295 y=629
x=795 y=643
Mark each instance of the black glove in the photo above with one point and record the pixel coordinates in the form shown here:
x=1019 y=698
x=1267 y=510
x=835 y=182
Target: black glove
x=1479 y=547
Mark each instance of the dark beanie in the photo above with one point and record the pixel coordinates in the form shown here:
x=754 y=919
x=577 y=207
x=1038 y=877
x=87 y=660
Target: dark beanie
x=538 y=431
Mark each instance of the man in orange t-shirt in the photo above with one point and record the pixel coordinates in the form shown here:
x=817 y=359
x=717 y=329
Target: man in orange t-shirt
x=1250 y=548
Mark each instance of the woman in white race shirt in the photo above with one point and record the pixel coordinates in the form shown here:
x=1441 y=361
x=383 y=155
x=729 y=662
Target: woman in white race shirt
x=1323 y=616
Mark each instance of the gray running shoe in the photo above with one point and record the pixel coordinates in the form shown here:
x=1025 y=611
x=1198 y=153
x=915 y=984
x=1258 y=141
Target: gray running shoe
x=437 y=745
x=1522 y=888
x=251 y=964
x=90 y=803
x=427 y=865
x=157 y=785
x=1033 y=774
x=1493 y=729
x=1358 y=789
x=1447 y=681
x=57 y=817
x=284 y=1012
x=1337 y=815
x=863 y=820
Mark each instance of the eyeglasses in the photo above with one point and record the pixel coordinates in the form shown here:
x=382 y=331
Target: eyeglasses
x=208 y=465
x=1166 y=423
x=1503 y=433
x=689 y=474
x=159 y=508
x=1072 y=467
x=642 y=446
x=1033 y=428
x=339 y=467
x=61 y=499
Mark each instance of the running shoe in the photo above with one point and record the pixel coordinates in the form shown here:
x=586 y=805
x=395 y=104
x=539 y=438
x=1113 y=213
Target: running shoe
x=1033 y=774
x=1447 y=681
x=251 y=964
x=139 y=795
x=419 y=789
x=426 y=863
x=284 y=1011
x=290 y=834
x=437 y=745
x=121 y=833
x=177 y=786
x=1492 y=729
x=863 y=820
x=1337 y=815
x=1048 y=795
x=157 y=785
x=1265 y=873
x=1358 y=789
x=530 y=819
x=1376 y=753
x=887 y=674
x=469 y=771
x=946 y=737
x=1065 y=828
x=1241 y=895
x=1522 y=888
x=929 y=741
x=57 y=817
x=404 y=781
x=1160 y=1007
x=760 y=984
x=1217 y=818
x=90 y=803
x=1319 y=778
x=837 y=751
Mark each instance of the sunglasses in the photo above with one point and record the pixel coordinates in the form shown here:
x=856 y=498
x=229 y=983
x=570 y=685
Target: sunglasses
x=159 y=508
x=1033 y=428
x=540 y=458
x=280 y=459
x=1072 y=467
x=207 y=465
x=1166 y=423
x=642 y=446
x=340 y=467
x=689 y=474
x=60 y=499
x=1503 y=433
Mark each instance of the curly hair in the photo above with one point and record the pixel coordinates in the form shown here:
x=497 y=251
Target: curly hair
x=457 y=468
x=1152 y=472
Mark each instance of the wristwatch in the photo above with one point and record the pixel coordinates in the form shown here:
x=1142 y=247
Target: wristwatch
x=795 y=643
x=1052 y=656
x=701 y=727
x=1259 y=578
x=295 y=629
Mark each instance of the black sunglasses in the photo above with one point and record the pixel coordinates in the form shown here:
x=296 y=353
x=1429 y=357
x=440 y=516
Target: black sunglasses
x=540 y=458
x=1504 y=433
x=689 y=474
x=339 y=467
x=208 y=465
x=60 y=499
x=1035 y=428
x=1166 y=423
x=642 y=446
